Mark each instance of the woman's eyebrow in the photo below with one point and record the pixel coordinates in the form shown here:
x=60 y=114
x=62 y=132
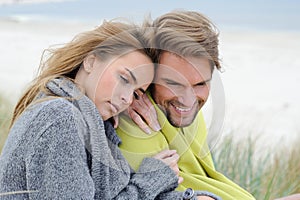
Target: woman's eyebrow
x=132 y=75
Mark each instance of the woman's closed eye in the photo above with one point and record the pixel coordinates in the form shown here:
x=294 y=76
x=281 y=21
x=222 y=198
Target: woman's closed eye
x=124 y=79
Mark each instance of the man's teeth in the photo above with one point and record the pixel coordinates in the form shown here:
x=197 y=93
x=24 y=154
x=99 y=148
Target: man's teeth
x=182 y=109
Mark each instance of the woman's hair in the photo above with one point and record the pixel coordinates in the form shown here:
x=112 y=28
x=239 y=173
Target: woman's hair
x=187 y=34
x=110 y=39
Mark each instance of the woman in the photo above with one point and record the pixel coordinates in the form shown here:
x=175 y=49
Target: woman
x=59 y=146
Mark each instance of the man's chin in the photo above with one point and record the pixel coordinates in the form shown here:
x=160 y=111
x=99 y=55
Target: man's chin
x=180 y=124
x=180 y=121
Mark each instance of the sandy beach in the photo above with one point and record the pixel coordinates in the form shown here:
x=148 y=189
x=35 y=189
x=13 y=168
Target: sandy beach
x=260 y=78
x=22 y=45
x=261 y=81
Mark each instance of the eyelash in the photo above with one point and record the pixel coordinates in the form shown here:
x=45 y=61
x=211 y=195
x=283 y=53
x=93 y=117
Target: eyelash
x=125 y=80
x=171 y=83
x=177 y=84
x=201 y=84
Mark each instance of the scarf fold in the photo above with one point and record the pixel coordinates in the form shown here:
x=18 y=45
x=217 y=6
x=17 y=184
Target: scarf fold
x=101 y=145
x=195 y=163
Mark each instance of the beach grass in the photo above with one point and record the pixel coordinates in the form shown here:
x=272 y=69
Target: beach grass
x=5 y=117
x=266 y=175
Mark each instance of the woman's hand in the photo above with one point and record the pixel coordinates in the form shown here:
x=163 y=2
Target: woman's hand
x=170 y=158
x=204 y=198
x=143 y=113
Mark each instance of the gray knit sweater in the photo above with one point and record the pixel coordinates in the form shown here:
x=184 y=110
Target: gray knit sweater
x=61 y=149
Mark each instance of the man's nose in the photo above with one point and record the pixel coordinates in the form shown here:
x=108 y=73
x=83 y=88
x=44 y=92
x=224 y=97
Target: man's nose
x=188 y=97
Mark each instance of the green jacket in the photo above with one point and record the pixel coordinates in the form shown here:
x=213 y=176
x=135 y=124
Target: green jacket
x=195 y=164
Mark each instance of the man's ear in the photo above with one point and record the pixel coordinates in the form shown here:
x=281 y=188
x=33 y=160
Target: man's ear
x=88 y=63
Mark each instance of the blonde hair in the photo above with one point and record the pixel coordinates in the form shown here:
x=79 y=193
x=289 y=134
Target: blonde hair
x=112 y=38
x=187 y=34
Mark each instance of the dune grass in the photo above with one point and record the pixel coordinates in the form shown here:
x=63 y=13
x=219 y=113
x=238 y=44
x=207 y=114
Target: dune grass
x=267 y=175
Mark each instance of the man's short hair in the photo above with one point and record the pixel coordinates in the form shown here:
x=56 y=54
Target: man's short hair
x=187 y=34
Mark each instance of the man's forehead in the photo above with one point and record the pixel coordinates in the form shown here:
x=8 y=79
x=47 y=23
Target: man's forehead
x=178 y=67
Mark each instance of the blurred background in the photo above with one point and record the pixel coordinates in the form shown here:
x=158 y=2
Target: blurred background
x=259 y=49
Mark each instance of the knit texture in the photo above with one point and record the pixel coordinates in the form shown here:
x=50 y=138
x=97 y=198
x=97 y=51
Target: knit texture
x=61 y=149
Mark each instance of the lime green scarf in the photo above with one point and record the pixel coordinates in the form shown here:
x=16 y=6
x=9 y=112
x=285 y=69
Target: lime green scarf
x=195 y=163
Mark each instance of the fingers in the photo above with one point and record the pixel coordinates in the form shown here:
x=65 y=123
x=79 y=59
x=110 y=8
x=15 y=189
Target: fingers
x=143 y=113
x=139 y=121
x=116 y=121
x=204 y=198
x=151 y=117
x=170 y=158
x=180 y=179
x=164 y=154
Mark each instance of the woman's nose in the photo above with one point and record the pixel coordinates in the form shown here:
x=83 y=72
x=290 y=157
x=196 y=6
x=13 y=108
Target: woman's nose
x=127 y=97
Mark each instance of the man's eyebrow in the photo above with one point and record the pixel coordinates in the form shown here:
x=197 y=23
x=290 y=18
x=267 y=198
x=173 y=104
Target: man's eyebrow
x=203 y=82
x=132 y=75
x=174 y=82
x=171 y=81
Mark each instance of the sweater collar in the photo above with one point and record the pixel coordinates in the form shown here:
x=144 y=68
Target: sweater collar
x=66 y=88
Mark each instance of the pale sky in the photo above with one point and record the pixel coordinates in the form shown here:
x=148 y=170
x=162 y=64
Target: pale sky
x=268 y=14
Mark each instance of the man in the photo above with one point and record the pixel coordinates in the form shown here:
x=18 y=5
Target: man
x=187 y=53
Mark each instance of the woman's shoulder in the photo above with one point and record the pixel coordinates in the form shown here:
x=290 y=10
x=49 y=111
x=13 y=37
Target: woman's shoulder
x=55 y=107
x=48 y=112
x=46 y=119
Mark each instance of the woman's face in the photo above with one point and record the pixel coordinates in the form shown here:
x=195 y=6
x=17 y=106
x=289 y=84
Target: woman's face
x=111 y=84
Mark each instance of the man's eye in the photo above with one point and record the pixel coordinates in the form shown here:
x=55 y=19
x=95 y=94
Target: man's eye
x=172 y=83
x=201 y=84
x=125 y=80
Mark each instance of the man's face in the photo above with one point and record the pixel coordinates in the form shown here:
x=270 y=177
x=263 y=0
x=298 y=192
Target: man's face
x=181 y=87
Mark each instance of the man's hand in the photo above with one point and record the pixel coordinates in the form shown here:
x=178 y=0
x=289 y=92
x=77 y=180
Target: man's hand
x=143 y=113
x=170 y=158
